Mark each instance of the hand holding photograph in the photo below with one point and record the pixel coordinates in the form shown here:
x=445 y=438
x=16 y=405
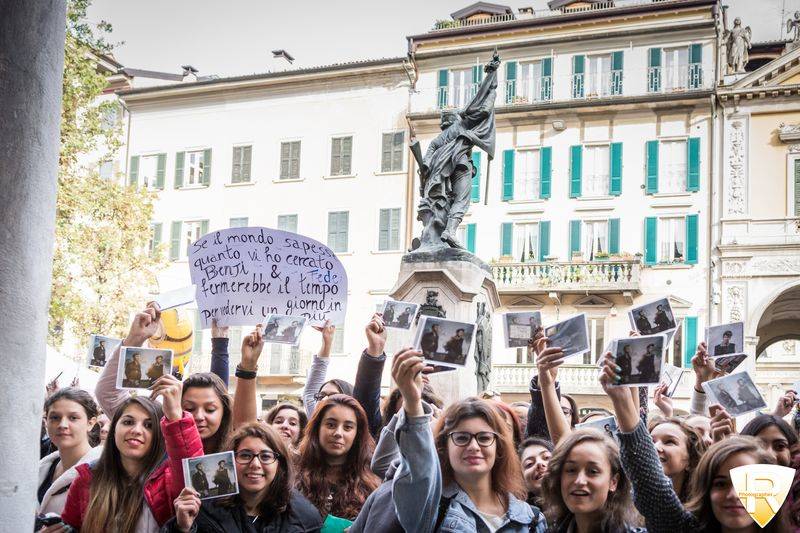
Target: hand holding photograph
x=736 y=393
x=444 y=342
x=214 y=475
x=399 y=315
x=520 y=327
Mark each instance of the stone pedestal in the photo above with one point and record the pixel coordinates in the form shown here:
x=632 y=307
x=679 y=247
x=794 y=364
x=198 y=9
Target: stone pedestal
x=464 y=285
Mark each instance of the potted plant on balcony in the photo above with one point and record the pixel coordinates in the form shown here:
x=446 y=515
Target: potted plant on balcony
x=601 y=256
x=577 y=257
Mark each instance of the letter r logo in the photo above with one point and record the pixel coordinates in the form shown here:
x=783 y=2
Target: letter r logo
x=762 y=489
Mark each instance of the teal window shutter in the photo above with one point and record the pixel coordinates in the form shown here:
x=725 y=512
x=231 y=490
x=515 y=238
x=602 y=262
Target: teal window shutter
x=652 y=167
x=615 y=185
x=476 y=178
x=693 y=164
x=175 y=241
x=133 y=171
x=161 y=170
x=578 y=65
x=690 y=342
x=613 y=235
x=692 y=228
x=654 y=70
x=575 y=158
x=650 y=241
x=180 y=158
x=506 y=234
x=477 y=74
x=544 y=239
x=156 y=242
x=695 y=66
x=203 y=227
x=444 y=76
x=206 y=166
x=616 y=72
x=508 y=175
x=545 y=171
x=547 y=79
x=574 y=237
x=511 y=81
x=470 y=238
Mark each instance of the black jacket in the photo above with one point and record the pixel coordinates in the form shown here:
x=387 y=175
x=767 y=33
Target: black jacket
x=300 y=517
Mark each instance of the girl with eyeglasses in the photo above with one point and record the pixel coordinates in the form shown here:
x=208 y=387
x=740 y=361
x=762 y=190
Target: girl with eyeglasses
x=467 y=477
x=266 y=501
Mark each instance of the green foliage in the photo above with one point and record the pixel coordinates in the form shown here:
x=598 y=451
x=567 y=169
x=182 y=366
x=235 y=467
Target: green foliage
x=101 y=267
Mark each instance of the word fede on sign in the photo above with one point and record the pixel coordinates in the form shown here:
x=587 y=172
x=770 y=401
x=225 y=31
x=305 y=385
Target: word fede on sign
x=244 y=274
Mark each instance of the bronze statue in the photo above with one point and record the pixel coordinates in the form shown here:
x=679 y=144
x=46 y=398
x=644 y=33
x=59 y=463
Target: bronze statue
x=793 y=26
x=431 y=306
x=446 y=171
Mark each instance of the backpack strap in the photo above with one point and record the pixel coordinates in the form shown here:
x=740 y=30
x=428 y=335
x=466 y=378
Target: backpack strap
x=444 y=504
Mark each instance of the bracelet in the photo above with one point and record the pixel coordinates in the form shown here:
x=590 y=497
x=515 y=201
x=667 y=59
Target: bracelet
x=245 y=374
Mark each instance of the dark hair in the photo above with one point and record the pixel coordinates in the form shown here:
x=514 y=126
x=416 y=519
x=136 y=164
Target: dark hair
x=276 y=499
x=460 y=329
x=573 y=419
x=343 y=386
x=516 y=425
x=728 y=333
x=207 y=380
x=534 y=441
x=357 y=480
x=301 y=415
x=74 y=394
x=392 y=403
x=762 y=422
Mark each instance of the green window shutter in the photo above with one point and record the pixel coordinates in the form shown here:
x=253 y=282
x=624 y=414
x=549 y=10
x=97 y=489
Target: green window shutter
x=616 y=72
x=650 y=240
x=692 y=228
x=508 y=175
x=544 y=239
x=161 y=170
x=506 y=235
x=203 y=227
x=511 y=81
x=444 y=75
x=476 y=178
x=206 y=166
x=796 y=188
x=696 y=53
x=654 y=70
x=547 y=79
x=695 y=66
x=383 y=232
x=615 y=185
x=578 y=65
x=690 y=342
x=575 y=158
x=613 y=235
x=236 y=167
x=180 y=158
x=477 y=74
x=247 y=155
x=156 y=237
x=652 y=167
x=175 y=241
x=133 y=171
x=574 y=237
x=545 y=171
x=693 y=164
x=470 y=238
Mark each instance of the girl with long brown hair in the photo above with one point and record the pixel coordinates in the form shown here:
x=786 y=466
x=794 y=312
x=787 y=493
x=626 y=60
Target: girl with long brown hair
x=679 y=447
x=289 y=421
x=333 y=464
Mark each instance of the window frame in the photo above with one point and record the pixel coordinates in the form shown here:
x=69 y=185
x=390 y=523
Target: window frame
x=585 y=233
x=605 y=79
x=660 y=238
x=399 y=247
x=518 y=167
x=515 y=251
x=234 y=163
x=289 y=177
x=341 y=174
x=662 y=174
x=347 y=249
x=585 y=147
x=140 y=177
x=245 y=218
x=296 y=221
x=183 y=250
x=402 y=153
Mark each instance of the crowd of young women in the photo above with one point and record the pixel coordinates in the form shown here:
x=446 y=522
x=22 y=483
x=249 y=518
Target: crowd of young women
x=346 y=460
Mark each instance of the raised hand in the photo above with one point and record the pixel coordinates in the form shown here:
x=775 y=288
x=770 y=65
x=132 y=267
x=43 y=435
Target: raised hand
x=663 y=401
x=327 y=330
x=621 y=397
x=252 y=345
x=218 y=332
x=703 y=367
x=170 y=389
x=187 y=505
x=407 y=369
x=145 y=324
x=785 y=404
x=547 y=361
x=376 y=335
x=721 y=422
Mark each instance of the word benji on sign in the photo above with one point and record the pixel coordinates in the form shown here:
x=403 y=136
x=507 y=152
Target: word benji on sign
x=243 y=275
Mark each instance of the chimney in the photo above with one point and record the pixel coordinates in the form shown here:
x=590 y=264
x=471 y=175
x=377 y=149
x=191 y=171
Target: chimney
x=189 y=73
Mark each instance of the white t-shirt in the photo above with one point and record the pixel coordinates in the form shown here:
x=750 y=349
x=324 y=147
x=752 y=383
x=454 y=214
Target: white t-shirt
x=494 y=522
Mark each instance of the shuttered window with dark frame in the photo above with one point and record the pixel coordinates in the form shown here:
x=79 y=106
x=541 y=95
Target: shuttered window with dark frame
x=290 y=160
x=240 y=172
x=341 y=156
x=392 y=149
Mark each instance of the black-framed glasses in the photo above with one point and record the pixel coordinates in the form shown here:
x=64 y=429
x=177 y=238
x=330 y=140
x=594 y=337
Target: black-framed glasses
x=463 y=438
x=245 y=457
x=322 y=395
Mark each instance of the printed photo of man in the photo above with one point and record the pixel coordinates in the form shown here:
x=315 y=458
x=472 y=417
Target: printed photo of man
x=455 y=347
x=726 y=346
x=430 y=341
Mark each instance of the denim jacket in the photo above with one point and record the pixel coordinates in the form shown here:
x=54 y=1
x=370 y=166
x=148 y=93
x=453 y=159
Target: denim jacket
x=417 y=489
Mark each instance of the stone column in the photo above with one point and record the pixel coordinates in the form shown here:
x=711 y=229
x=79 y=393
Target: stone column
x=31 y=65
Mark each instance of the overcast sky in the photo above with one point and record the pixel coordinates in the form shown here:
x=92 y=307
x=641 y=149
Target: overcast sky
x=236 y=36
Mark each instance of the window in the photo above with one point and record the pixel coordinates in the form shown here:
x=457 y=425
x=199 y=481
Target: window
x=595 y=238
x=462 y=87
x=276 y=358
x=337 y=347
x=287 y=223
x=526 y=242
x=341 y=156
x=110 y=116
x=338 y=222
x=191 y=232
x=597 y=340
x=526 y=186
x=240 y=172
x=148 y=170
x=389 y=230
x=239 y=222
x=676 y=69
x=392 y=150
x=671 y=239
x=596 y=168
x=195 y=166
x=598 y=75
x=155 y=237
x=672 y=166
x=530 y=81
x=106 y=170
x=290 y=160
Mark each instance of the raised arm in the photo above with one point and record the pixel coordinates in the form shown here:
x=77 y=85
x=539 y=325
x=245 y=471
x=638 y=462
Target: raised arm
x=244 y=400
x=219 y=352
x=704 y=370
x=367 y=388
x=547 y=363
x=319 y=368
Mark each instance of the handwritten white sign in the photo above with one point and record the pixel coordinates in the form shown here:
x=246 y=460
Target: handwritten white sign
x=242 y=275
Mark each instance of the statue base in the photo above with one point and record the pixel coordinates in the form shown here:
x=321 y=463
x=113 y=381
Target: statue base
x=464 y=287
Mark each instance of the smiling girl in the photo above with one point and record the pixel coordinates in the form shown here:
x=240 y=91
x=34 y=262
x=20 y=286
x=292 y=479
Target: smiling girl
x=290 y=423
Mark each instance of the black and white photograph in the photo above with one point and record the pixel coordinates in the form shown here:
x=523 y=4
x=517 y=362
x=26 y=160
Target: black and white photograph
x=399 y=315
x=736 y=393
x=654 y=317
x=728 y=363
x=571 y=335
x=640 y=359
x=677 y=343
x=671 y=377
x=520 y=327
x=100 y=349
x=726 y=339
x=140 y=367
x=283 y=329
x=607 y=425
x=444 y=342
x=212 y=476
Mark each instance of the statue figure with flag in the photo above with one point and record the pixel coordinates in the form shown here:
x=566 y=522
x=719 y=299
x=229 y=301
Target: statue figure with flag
x=446 y=171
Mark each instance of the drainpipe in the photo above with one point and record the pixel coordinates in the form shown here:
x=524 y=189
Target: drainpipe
x=711 y=237
x=127 y=139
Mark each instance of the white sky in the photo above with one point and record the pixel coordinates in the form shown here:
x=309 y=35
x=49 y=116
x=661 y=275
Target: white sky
x=236 y=36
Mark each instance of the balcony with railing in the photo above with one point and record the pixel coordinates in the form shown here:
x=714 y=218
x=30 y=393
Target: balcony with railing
x=528 y=91
x=675 y=78
x=618 y=276
x=572 y=378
